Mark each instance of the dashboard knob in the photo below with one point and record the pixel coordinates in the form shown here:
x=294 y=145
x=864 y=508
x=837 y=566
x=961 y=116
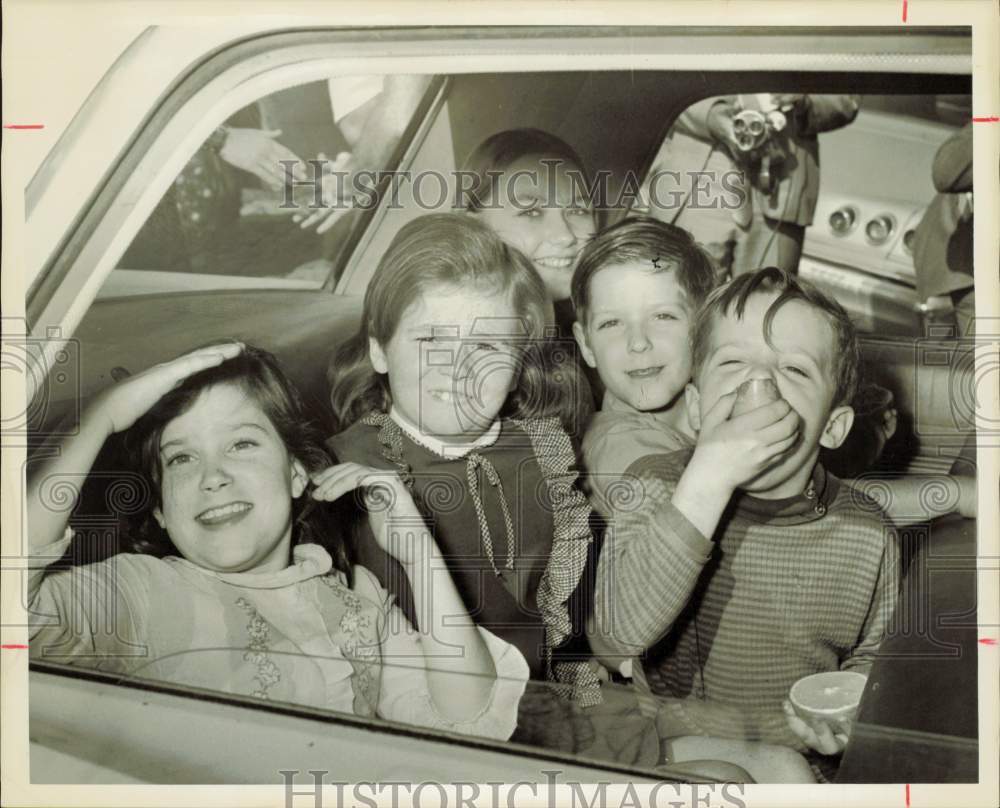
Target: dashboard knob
x=842 y=220
x=880 y=228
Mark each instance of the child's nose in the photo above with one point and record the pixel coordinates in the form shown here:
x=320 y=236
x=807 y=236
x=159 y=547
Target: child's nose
x=463 y=364
x=759 y=371
x=638 y=339
x=214 y=477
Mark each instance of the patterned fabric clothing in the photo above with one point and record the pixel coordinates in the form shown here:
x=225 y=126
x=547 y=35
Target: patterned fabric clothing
x=616 y=437
x=300 y=635
x=788 y=588
x=524 y=588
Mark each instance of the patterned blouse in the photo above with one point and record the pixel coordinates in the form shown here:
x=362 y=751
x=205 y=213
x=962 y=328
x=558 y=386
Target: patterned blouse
x=300 y=635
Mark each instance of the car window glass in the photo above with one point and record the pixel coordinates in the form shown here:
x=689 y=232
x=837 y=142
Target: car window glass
x=262 y=202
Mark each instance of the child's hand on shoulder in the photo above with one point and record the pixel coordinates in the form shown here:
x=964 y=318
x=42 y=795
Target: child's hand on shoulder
x=396 y=522
x=732 y=451
x=120 y=406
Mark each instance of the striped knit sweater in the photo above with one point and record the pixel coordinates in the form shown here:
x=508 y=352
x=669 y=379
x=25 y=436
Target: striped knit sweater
x=788 y=588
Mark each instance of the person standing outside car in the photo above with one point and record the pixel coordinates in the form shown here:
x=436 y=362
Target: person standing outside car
x=782 y=170
x=942 y=245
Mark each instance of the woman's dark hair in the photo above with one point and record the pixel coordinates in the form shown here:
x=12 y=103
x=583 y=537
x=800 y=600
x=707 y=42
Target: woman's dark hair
x=258 y=374
x=491 y=158
x=440 y=249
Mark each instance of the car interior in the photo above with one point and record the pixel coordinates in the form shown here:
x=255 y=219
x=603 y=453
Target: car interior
x=298 y=294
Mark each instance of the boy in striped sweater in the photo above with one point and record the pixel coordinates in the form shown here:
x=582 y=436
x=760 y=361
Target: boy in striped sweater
x=741 y=565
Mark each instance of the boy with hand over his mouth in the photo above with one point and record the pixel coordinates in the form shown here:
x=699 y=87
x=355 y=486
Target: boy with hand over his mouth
x=742 y=565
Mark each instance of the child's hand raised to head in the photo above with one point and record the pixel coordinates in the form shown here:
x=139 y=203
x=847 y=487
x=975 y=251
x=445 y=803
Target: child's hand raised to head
x=396 y=522
x=122 y=405
x=733 y=450
x=114 y=410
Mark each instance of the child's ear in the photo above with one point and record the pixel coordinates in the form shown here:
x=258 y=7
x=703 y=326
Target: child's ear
x=300 y=478
x=692 y=403
x=838 y=425
x=158 y=516
x=581 y=339
x=377 y=356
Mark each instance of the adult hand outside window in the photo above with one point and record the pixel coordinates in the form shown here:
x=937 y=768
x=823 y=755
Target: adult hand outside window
x=257 y=151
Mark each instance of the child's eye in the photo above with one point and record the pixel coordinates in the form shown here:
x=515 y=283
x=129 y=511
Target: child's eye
x=666 y=315
x=485 y=346
x=608 y=323
x=579 y=211
x=245 y=443
x=178 y=459
x=796 y=370
x=729 y=363
x=531 y=213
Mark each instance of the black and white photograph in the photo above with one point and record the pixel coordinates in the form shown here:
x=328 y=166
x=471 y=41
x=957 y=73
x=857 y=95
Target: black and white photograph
x=579 y=404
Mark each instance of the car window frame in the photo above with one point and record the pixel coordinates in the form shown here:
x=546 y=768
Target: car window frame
x=221 y=83
x=51 y=304
x=378 y=725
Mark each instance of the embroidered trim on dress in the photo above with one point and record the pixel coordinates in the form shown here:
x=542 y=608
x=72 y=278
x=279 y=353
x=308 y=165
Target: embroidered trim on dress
x=571 y=538
x=390 y=436
x=474 y=461
x=259 y=632
x=362 y=647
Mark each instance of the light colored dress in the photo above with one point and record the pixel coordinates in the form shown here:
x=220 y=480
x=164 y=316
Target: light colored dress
x=300 y=635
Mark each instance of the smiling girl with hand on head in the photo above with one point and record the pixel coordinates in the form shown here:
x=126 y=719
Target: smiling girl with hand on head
x=239 y=586
x=439 y=385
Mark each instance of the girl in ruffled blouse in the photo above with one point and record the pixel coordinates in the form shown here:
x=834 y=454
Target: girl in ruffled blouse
x=237 y=586
x=440 y=384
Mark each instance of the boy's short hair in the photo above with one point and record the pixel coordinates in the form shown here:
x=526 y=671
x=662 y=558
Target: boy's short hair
x=644 y=239
x=734 y=295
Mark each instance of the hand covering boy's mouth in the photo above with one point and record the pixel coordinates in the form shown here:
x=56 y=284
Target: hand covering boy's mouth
x=223 y=513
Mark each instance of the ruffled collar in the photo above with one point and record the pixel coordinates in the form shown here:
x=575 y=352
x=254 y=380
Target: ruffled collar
x=308 y=561
x=450 y=451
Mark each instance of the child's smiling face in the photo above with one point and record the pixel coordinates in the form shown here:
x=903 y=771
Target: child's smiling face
x=227 y=484
x=800 y=358
x=636 y=334
x=539 y=211
x=453 y=360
